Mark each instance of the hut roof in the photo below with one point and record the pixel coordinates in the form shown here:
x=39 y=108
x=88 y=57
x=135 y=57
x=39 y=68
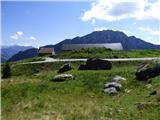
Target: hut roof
x=46 y=50
x=113 y=46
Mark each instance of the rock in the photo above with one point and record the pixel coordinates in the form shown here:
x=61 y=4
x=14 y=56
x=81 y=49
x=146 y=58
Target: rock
x=111 y=90
x=127 y=91
x=149 y=86
x=145 y=72
x=64 y=68
x=62 y=77
x=149 y=81
x=96 y=64
x=145 y=105
x=140 y=106
x=115 y=56
x=116 y=85
x=153 y=92
x=82 y=67
x=109 y=49
x=118 y=79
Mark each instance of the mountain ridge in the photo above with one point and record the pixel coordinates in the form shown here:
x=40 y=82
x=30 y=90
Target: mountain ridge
x=8 y=51
x=105 y=36
x=29 y=53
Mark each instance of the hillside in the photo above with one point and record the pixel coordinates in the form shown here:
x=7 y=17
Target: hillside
x=106 y=53
x=3 y=58
x=8 y=51
x=24 y=55
x=88 y=53
x=33 y=95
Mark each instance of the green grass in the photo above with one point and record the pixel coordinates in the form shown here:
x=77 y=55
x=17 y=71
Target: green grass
x=33 y=59
x=29 y=94
x=104 y=53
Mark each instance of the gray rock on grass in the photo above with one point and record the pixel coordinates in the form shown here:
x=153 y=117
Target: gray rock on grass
x=96 y=64
x=147 y=71
x=111 y=90
x=113 y=87
x=65 y=67
x=62 y=77
x=140 y=106
x=116 y=85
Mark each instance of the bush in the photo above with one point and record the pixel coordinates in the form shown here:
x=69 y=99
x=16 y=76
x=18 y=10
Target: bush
x=6 y=70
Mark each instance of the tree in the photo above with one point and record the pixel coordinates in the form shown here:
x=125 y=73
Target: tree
x=6 y=70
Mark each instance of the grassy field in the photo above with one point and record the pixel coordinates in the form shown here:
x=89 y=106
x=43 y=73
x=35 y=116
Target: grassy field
x=104 y=53
x=31 y=95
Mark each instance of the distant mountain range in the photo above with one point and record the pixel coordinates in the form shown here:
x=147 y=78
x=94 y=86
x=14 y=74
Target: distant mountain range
x=24 y=54
x=105 y=36
x=8 y=51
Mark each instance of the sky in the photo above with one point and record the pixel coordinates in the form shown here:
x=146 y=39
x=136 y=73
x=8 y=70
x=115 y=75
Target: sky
x=39 y=23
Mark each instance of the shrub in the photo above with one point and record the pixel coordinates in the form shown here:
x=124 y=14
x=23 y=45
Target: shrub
x=6 y=70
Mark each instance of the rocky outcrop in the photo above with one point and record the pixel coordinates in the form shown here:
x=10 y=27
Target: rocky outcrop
x=145 y=72
x=112 y=88
x=96 y=64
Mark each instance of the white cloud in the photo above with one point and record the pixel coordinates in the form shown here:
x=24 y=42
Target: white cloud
x=100 y=29
x=151 y=40
x=14 y=37
x=19 y=33
x=149 y=30
x=32 y=38
x=126 y=32
x=104 y=28
x=93 y=21
x=112 y=10
x=20 y=36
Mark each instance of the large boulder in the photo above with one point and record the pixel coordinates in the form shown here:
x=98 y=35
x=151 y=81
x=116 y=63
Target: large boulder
x=145 y=72
x=62 y=77
x=96 y=64
x=82 y=67
x=64 y=68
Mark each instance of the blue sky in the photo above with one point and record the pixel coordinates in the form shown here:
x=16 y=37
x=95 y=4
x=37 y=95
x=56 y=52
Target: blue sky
x=42 y=23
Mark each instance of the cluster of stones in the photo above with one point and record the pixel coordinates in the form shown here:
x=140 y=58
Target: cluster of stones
x=114 y=86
